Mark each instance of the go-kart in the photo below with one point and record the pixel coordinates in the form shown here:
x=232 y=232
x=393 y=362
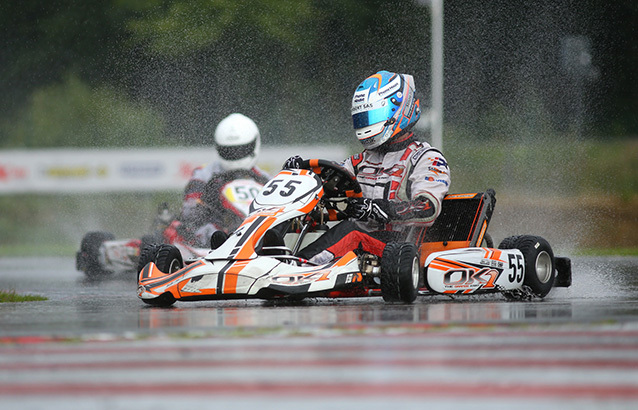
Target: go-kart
x=102 y=254
x=258 y=260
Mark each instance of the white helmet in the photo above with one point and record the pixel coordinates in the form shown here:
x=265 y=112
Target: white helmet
x=238 y=142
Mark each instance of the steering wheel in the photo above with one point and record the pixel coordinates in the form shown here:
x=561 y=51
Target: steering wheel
x=337 y=181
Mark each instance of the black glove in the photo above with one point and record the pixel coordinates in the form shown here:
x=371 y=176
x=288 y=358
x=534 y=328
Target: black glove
x=293 y=162
x=365 y=209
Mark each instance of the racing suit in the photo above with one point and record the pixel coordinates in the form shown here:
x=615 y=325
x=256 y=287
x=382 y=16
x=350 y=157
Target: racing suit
x=406 y=179
x=203 y=211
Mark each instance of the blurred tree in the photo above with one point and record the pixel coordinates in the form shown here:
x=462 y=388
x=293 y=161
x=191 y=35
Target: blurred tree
x=73 y=114
x=292 y=65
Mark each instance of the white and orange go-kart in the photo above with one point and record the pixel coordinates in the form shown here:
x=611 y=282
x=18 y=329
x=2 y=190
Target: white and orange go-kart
x=258 y=260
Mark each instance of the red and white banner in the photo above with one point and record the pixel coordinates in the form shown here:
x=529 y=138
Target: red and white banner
x=139 y=169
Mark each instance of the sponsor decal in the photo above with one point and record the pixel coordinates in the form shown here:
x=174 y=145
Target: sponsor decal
x=471 y=278
x=141 y=170
x=186 y=170
x=492 y=263
x=8 y=172
x=437 y=171
x=409 y=107
x=415 y=158
x=359 y=97
x=439 y=162
x=368 y=106
x=74 y=172
x=390 y=88
x=362 y=107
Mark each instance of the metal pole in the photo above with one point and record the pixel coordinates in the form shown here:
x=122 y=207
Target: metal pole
x=436 y=67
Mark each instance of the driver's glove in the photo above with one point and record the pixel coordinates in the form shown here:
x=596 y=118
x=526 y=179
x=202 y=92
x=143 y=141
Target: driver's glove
x=365 y=209
x=293 y=162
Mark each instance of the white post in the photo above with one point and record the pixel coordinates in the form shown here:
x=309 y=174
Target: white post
x=433 y=118
x=436 y=62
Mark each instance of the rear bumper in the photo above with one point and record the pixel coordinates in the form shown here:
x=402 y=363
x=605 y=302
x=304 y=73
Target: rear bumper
x=563 y=272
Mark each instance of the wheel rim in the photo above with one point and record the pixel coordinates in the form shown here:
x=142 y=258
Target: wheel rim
x=544 y=267
x=175 y=266
x=415 y=272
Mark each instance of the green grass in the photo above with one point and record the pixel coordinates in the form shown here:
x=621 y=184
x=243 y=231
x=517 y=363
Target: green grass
x=11 y=296
x=607 y=252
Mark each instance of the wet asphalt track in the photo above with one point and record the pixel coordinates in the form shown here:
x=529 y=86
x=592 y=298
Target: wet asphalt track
x=93 y=344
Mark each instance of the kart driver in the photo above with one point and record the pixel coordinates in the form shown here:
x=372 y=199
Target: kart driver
x=403 y=180
x=238 y=142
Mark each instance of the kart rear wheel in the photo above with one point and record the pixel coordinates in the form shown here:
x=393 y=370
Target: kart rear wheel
x=400 y=272
x=87 y=258
x=539 y=262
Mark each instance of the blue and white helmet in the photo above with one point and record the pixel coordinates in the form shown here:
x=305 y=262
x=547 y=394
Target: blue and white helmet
x=383 y=107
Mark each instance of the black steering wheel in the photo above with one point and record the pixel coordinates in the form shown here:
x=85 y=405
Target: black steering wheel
x=337 y=181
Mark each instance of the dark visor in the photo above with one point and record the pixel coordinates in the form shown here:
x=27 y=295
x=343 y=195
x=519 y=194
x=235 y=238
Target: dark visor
x=235 y=152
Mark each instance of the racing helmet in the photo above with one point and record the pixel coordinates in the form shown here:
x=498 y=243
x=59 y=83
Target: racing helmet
x=238 y=142
x=384 y=107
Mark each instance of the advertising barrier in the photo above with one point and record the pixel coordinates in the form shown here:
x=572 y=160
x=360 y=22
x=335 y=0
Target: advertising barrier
x=139 y=169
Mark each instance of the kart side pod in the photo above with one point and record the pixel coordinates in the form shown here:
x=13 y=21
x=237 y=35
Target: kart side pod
x=474 y=270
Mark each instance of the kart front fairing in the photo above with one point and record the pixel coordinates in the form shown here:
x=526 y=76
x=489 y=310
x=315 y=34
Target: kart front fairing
x=236 y=269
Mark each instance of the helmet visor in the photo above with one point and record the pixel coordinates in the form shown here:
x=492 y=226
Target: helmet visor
x=235 y=152
x=367 y=118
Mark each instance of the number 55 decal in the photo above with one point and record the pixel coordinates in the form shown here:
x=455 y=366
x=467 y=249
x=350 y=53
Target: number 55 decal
x=516 y=265
x=287 y=189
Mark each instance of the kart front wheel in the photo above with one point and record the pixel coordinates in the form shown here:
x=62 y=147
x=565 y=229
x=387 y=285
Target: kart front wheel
x=539 y=262
x=147 y=254
x=400 y=272
x=167 y=258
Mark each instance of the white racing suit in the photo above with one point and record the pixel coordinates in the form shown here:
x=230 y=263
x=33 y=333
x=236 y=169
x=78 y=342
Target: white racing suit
x=412 y=178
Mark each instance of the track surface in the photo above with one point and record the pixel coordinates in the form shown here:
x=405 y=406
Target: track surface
x=93 y=344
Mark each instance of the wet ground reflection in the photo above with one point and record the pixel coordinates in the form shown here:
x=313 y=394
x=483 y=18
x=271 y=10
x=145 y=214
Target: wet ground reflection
x=604 y=289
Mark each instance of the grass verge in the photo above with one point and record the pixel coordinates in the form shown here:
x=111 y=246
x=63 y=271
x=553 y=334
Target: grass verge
x=8 y=296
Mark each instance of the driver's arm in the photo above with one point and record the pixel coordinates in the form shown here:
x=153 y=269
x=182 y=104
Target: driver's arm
x=427 y=184
x=421 y=209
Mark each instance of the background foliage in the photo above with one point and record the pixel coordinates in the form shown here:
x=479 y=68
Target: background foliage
x=141 y=72
x=118 y=73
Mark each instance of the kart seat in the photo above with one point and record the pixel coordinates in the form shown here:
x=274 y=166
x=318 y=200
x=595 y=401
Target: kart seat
x=462 y=223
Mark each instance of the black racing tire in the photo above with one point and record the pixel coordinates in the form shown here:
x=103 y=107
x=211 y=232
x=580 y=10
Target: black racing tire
x=164 y=300
x=400 y=272
x=148 y=253
x=87 y=259
x=539 y=262
x=169 y=259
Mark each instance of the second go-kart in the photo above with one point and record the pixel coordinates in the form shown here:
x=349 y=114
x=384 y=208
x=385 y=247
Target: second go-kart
x=258 y=260
x=102 y=254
